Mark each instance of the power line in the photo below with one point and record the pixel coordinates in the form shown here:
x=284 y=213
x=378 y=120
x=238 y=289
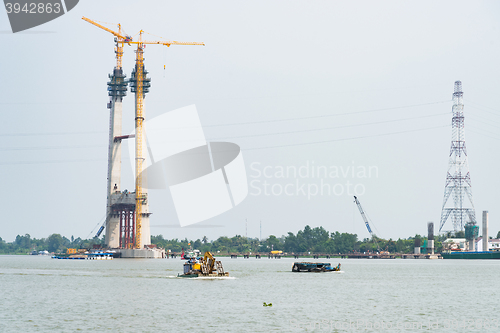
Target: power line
x=329 y=128
x=481 y=133
x=482 y=130
x=274 y=96
x=50 y=147
x=487 y=122
x=326 y=116
x=345 y=139
x=483 y=106
x=53 y=161
x=246 y=149
x=52 y=133
x=242 y=123
x=48 y=103
x=241 y=136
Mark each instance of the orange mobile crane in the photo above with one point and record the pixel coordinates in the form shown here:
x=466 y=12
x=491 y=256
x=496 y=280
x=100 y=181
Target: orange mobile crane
x=139 y=89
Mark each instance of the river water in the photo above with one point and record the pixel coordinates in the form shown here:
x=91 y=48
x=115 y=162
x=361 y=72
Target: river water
x=40 y=294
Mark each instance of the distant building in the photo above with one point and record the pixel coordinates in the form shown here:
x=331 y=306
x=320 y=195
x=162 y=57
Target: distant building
x=455 y=244
x=493 y=244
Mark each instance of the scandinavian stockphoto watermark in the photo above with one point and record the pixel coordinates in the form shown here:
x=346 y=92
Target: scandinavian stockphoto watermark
x=309 y=179
x=205 y=178
x=26 y=14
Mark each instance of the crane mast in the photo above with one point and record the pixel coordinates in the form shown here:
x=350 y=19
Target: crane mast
x=363 y=215
x=139 y=139
x=120 y=39
x=141 y=85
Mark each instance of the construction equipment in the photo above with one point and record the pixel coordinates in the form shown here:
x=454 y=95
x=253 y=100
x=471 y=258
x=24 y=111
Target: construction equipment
x=363 y=215
x=140 y=86
x=207 y=267
x=120 y=39
x=99 y=232
x=209 y=261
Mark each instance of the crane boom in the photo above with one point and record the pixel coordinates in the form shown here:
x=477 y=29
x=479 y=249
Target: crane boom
x=120 y=40
x=117 y=34
x=366 y=221
x=172 y=42
x=363 y=215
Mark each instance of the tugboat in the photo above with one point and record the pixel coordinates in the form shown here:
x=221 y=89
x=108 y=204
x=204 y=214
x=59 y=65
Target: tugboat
x=314 y=267
x=203 y=267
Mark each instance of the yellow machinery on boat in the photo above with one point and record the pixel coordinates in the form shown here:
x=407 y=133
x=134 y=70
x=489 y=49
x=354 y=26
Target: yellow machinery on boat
x=204 y=267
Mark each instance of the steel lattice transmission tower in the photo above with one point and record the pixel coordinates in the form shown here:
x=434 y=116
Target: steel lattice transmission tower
x=458 y=184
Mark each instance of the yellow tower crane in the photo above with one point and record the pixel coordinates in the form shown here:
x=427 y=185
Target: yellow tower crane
x=120 y=40
x=139 y=129
x=139 y=112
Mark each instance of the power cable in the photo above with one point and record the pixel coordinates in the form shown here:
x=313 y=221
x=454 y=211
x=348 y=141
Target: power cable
x=325 y=116
x=344 y=139
x=242 y=136
x=247 y=149
x=328 y=128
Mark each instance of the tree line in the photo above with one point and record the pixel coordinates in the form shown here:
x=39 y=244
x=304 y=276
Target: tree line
x=54 y=243
x=310 y=240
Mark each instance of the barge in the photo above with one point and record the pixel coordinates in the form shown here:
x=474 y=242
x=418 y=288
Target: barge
x=314 y=267
x=471 y=255
x=86 y=256
x=206 y=267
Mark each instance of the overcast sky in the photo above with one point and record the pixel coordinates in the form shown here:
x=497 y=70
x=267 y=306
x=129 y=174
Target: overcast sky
x=337 y=84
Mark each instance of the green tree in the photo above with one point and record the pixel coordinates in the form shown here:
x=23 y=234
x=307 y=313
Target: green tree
x=23 y=242
x=345 y=242
x=274 y=243
x=54 y=242
x=290 y=243
x=197 y=244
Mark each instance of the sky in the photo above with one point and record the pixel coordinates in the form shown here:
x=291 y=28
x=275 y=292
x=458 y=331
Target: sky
x=336 y=85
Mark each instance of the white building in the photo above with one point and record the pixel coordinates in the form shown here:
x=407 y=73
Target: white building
x=493 y=244
x=455 y=244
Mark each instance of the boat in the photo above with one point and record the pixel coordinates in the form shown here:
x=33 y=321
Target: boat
x=314 y=267
x=190 y=255
x=206 y=267
x=40 y=253
x=471 y=255
x=98 y=255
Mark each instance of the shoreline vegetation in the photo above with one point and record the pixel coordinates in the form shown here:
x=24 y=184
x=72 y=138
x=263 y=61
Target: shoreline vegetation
x=310 y=240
